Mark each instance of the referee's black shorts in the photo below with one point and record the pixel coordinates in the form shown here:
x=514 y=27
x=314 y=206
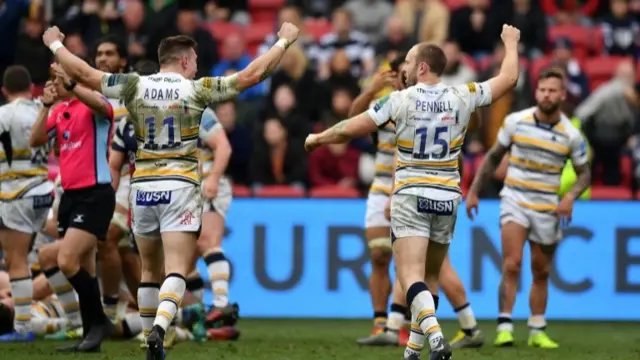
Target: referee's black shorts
x=89 y=209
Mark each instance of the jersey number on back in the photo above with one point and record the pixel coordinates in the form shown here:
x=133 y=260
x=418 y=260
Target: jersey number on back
x=422 y=141
x=152 y=143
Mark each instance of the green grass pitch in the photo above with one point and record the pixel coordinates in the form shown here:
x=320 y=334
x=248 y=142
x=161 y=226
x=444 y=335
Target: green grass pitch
x=335 y=339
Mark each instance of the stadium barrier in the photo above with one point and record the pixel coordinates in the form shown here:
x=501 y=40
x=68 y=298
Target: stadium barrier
x=308 y=258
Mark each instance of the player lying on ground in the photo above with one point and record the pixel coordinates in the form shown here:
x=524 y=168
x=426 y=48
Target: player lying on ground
x=539 y=140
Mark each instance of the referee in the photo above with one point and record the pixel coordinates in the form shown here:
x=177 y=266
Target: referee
x=81 y=124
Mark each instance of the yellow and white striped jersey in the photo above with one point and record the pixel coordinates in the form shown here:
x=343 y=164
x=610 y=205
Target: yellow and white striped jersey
x=431 y=122
x=538 y=153
x=382 y=180
x=165 y=110
x=119 y=110
x=48 y=309
x=23 y=170
x=209 y=125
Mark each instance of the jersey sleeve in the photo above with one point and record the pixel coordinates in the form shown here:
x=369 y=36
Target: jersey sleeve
x=216 y=89
x=578 y=148
x=113 y=85
x=4 y=120
x=208 y=124
x=117 y=143
x=383 y=109
x=507 y=130
x=479 y=94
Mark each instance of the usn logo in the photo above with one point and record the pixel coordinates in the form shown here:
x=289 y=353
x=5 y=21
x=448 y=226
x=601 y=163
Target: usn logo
x=152 y=198
x=436 y=207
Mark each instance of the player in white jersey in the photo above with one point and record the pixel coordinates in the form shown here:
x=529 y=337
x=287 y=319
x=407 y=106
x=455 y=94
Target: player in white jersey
x=166 y=109
x=429 y=117
x=539 y=141
x=25 y=192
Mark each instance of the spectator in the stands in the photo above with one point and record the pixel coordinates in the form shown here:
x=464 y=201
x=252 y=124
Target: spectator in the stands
x=11 y=13
x=355 y=45
x=634 y=8
x=285 y=108
x=475 y=28
x=456 y=71
x=340 y=77
x=32 y=53
x=341 y=100
x=227 y=10
x=578 y=83
x=318 y=8
x=292 y=14
x=621 y=31
x=76 y=46
x=135 y=32
x=368 y=15
x=334 y=165
x=96 y=20
x=609 y=116
x=235 y=58
x=239 y=137
x=295 y=72
x=277 y=158
x=424 y=20
x=529 y=18
x=395 y=39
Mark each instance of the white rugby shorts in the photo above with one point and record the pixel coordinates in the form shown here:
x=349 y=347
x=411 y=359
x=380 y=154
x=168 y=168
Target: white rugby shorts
x=375 y=211
x=544 y=228
x=155 y=212
x=414 y=216
x=222 y=201
x=27 y=215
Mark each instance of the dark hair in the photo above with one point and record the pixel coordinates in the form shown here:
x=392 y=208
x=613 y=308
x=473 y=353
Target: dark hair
x=395 y=64
x=146 y=67
x=16 y=79
x=171 y=48
x=552 y=72
x=343 y=10
x=6 y=319
x=433 y=56
x=111 y=39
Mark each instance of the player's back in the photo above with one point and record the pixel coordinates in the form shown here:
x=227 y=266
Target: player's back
x=22 y=168
x=431 y=123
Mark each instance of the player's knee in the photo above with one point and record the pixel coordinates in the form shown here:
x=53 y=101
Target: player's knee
x=380 y=257
x=48 y=256
x=68 y=263
x=540 y=271
x=114 y=234
x=511 y=266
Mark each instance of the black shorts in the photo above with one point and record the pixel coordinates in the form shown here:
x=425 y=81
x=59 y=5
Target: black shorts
x=89 y=209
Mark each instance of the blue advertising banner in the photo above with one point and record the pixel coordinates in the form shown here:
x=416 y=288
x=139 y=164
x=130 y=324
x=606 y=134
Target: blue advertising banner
x=308 y=258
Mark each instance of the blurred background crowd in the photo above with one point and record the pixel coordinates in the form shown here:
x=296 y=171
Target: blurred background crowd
x=342 y=44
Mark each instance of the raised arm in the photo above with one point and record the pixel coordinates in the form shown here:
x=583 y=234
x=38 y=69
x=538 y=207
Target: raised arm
x=42 y=130
x=345 y=130
x=362 y=102
x=77 y=68
x=489 y=165
x=92 y=99
x=507 y=78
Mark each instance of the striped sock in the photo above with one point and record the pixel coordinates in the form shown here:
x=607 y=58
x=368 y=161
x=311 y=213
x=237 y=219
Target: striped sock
x=22 y=292
x=171 y=294
x=66 y=295
x=195 y=285
x=110 y=306
x=416 y=341
x=148 y=301
x=424 y=309
x=219 y=269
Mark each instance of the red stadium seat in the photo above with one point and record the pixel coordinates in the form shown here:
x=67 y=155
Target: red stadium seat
x=265 y=10
x=611 y=193
x=536 y=67
x=241 y=191
x=279 y=191
x=597 y=42
x=580 y=36
x=266 y=4
x=626 y=170
x=332 y=192
x=220 y=29
x=601 y=69
x=468 y=173
x=317 y=28
x=456 y=4
x=255 y=33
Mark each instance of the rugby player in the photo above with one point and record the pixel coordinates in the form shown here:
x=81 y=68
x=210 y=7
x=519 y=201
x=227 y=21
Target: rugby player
x=166 y=110
x=539 y=141
x=25 y=196
x=431 y=121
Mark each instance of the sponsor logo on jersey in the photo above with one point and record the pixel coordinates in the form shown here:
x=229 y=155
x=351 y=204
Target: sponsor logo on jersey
x=152 y=198
x=437 y=207
x=42 y=201
x=380 y=103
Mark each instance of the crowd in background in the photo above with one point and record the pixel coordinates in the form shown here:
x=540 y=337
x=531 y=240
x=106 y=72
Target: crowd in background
x=342 y=44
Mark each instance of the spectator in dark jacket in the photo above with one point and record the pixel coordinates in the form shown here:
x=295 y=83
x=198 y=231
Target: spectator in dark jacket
x=336 y=164
x=32 y=53
x=621 y=31
x=529 y=18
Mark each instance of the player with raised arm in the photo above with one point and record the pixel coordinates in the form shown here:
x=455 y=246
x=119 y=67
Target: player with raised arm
x=166 y=197
x=539 y=141
x=429 y=117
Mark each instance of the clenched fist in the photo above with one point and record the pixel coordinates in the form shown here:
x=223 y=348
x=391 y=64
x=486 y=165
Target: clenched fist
x=289 y=32
x=52 y=35
x=510 y=34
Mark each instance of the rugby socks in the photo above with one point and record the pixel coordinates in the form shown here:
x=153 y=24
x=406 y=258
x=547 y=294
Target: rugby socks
x=379 y=318
x=195 y=285
x=131 y=325
x=148 y=301
x=467 y=319
x=110 y=305
x=219 y=270
x=396 y=320
x=22 y=293
x=416 y=336
x=537 y=324
x=171 y=294
x=423 y=310
x=88 y=290
x=66 y=295
x=505 y=322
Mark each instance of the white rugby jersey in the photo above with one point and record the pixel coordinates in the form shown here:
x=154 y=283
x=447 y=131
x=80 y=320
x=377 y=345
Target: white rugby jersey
x=538 y=153
x=382 y=180
x=165 y=110
x=209 y=124
x=119 y=110
x=431 y=122
x=23 y=170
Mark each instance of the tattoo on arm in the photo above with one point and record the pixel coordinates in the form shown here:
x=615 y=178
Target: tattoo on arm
x=491 y=161
x=583 y=180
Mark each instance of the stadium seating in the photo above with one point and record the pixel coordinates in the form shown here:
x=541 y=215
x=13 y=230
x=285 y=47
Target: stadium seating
x=316 y=28
x=279 y=191
x=241 y=191
x=581 y=36
x=611 y=193
x=254 y=35
x=600 y=69
x=325 y=192
x=265 y=10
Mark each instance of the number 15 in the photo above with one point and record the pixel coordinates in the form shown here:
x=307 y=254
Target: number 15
x=421 y=141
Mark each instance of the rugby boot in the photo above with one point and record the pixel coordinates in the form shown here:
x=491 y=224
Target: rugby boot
x=225 y=333
x=170 y=338
x=504 y=338
x=222 y=316
x=542 y=340
x=18 y=337
x=93 y=340
x=463 y=340
x=155 y=348
x=383 y=338
x=442 y=351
